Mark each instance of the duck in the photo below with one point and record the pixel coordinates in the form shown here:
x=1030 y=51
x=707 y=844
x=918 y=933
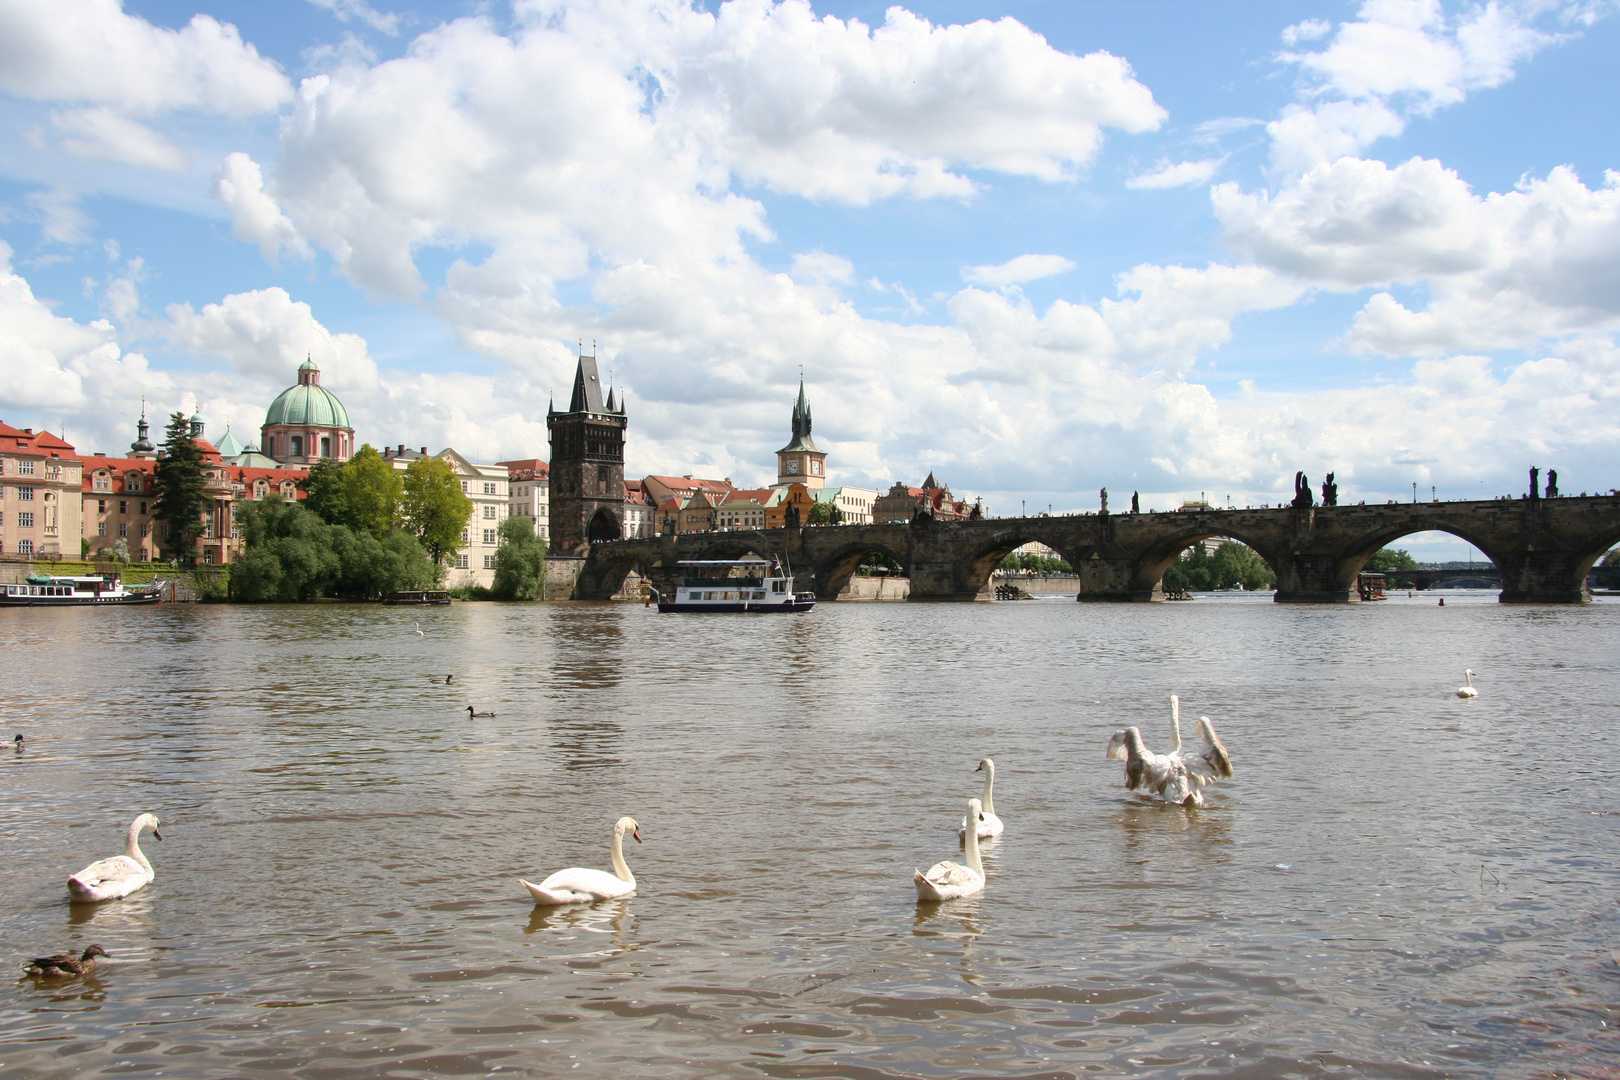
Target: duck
x=1208 y=765
x=948 y=880
x=445 y=680
x=471 y=713
x=120 y=875
x=1464 y=691
x=579 y=885
x=18 y=742
x=989 y=824
x=64 y=965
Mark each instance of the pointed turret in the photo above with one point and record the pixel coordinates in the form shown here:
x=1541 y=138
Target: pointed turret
x=610 y=406
x=930 y=484
x=143 y=440
x=587 y=387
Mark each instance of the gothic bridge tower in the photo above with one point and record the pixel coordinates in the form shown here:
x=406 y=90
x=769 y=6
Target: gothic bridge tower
x=587 y=464
x=801 y=461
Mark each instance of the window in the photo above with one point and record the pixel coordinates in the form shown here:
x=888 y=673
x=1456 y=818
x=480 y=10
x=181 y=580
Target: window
x=53 y=472
x=326 y=446
x=123 y=506
x=101 y=506
x=297 y=445
x=463 y=536
x=102 y=482
x=25 y=520
x=489 y=562
x=464 y=487
x=25 y=468
x=26 y=494
x=208 y=555
x=163 y=530
x=143 y=510
x=25 y=547
x=461 y=562
x=145 y=529
x=123 y=529
x=101 y=528
x=489 y=513
x=489 y=489
x=132 y=483
x=489 y=536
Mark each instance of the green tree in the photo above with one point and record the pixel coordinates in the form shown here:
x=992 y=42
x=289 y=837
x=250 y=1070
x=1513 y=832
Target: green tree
x=324 y=495
x=1386 y=559
x=292 y=555
x=181 y=487
x=1233 y=564
x=373 y=488
x=434 y=507
x=520 y=561
x=1040 y=564
x=824 y=513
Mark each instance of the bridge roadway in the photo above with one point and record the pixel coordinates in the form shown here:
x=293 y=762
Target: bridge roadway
x=1543 y=549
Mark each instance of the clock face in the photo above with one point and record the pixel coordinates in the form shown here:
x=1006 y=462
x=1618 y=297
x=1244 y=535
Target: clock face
x=815 y=466
x=793 y=468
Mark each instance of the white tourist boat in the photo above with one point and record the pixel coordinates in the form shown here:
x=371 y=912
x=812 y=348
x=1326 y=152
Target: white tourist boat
x=760 y=585
x=46 y=590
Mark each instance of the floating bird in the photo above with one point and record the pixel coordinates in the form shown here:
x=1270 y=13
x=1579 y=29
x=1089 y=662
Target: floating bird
x=64 y=965
x=1204 y=766
x=578 y=885
x=989 y=824
x=120 y=875
x=445 y=680
x=418 y=630
x=947 y=880
x=471 y=713
x=18 y=742
x=1163 y=775
x=1462 y=691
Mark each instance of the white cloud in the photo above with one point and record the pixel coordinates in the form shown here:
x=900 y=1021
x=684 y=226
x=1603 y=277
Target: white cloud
x=1309 y=30
x=103 y=135
x=821 y=268
x=1019 y=270
x=267 y=333
x=90 y=51
x=1504 y=270
x=61 y=219
x=344 y=10
x=1179 y=174
x=255 y=217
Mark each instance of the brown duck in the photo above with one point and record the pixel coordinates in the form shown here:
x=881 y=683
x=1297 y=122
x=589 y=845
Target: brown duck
x=65 y=965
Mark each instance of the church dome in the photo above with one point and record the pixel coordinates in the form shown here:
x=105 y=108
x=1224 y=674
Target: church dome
x=309 y=404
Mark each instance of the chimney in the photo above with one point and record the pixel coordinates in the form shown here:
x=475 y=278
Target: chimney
x=28 y=431
x=424 y=451
x=401 y=448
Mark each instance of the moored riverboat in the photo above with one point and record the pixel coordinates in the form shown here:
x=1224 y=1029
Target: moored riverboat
x=708 y=585
x=48 y=590
x=418 y=597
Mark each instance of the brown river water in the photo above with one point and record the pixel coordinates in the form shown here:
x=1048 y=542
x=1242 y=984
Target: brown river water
x=1396 y=883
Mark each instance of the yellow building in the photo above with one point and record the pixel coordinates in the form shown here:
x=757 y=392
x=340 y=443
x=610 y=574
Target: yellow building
x=39 y=494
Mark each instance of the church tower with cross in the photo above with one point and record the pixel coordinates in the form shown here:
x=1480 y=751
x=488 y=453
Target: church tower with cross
x=587 y=463
x=801 y=461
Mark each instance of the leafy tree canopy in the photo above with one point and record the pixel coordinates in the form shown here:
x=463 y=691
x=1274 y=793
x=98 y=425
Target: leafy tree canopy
x=1040 y=564
x=1232 y=565
x=824 y=513
x=291 y=555
x=181 y=487
x=1387 y=559
x=362 y=494
x=434 y=507
x=520 y=561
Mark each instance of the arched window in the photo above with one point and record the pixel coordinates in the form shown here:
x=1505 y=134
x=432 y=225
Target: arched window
x=102 y=482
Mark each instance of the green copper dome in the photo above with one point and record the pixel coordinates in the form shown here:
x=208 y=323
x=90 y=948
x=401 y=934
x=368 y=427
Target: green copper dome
x=307 y=405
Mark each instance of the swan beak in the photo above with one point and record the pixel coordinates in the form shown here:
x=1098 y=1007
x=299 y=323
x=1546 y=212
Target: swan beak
x=637 y=834
x=979 y=767
x=156 y=835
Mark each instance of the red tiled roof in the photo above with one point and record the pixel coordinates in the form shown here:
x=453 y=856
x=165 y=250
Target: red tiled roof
x=741 y=495
x=534 y=467
x=688 y=483
x=37 y=442
x=636 y=497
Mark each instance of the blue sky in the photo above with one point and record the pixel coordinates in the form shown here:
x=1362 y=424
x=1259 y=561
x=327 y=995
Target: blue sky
x=1036 y=247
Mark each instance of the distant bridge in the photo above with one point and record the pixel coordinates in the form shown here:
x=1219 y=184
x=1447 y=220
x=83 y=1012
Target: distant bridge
x=1481 y=577
x=1541 y=549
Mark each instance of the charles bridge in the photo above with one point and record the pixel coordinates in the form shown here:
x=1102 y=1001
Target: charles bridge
x=1542 y=548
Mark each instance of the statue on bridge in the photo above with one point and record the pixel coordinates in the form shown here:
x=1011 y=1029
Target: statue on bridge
x=1535 y=483
x=1104 y=509
x=1552 y=483
x=790 y=518
x=1136 y=503
x=1330 y=492
x=1302 y=491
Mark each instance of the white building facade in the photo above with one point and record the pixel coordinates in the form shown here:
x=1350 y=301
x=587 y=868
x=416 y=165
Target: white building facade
x=529 y=482
x=487 y=487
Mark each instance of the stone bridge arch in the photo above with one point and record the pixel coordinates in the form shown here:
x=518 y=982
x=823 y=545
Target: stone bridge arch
x=987 y=554
x=1364 y=547
x=1165 y=550
x=834 y=568
x=606 y=568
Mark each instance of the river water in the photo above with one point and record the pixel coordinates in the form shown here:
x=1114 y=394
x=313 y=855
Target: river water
x=1396 y=883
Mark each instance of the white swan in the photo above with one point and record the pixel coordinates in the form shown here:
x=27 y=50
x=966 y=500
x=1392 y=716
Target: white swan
x=120 y=875
x=578 y=885
x=947 y=880
x=1163 y=775
x=989 y=824
x=418 y=630
x=1468 y=691
x=1204 y=766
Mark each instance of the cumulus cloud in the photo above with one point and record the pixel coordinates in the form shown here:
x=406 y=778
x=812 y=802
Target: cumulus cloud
x=1178 y=174
x=61 y=219
x=103 y=135
x=266 y=332
x=1019 y=270
x=255 y=217
x=91 y=51
x=1504 y=270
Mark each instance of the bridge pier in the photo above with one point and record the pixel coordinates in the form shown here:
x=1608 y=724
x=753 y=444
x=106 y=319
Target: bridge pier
x=1113 y=580
x=1532 y=576
x=1306 y=577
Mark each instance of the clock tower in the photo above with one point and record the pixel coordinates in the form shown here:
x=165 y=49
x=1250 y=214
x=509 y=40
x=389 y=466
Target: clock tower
x=801 y=461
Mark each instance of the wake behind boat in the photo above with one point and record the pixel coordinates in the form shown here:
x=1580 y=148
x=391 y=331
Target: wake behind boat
x=759 y=585
x=46 y=590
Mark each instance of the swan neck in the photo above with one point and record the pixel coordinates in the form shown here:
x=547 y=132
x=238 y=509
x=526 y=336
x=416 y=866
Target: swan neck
x=621 y=869
x=1175 y=723
x=132 y=847
x=970 y=844
x=990 y=788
